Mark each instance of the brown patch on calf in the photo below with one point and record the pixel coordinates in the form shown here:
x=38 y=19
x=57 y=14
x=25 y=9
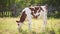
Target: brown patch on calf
x=35 y=10
x=32 y=9
x=23 y=17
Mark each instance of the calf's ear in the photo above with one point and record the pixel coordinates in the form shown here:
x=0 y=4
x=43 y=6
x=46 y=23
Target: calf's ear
x=17 y=21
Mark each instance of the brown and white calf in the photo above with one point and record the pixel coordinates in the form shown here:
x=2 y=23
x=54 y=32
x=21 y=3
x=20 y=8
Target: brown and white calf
x=31 y=12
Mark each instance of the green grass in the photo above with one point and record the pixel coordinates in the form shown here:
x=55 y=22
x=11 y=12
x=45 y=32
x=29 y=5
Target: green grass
x=9 y=26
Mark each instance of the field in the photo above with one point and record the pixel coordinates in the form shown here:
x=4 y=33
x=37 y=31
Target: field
x=9 y=26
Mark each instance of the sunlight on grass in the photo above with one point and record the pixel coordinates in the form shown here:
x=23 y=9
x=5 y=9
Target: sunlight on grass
x=9 y=26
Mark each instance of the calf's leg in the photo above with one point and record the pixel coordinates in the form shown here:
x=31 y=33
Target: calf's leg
x=29 y=22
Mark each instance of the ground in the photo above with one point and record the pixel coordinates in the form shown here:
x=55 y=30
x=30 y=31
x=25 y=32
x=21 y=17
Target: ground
x=9 y=26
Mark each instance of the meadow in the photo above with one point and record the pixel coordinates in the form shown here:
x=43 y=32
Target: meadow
x=9 y=26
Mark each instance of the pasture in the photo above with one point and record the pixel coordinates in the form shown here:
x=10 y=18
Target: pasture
x=9 y=26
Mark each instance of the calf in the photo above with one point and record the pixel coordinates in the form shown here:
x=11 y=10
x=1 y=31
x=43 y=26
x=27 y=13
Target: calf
x=31 y=12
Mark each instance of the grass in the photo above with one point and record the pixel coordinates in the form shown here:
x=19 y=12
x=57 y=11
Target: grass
x=9 y=26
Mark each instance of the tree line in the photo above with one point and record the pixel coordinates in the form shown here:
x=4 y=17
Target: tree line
x=15 y=6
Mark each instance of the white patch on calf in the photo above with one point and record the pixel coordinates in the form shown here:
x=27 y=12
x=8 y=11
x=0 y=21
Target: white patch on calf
x=20 y=24
x=29 y=17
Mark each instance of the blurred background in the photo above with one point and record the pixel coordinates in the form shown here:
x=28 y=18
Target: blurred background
x=13 y=8
x=10 y=11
